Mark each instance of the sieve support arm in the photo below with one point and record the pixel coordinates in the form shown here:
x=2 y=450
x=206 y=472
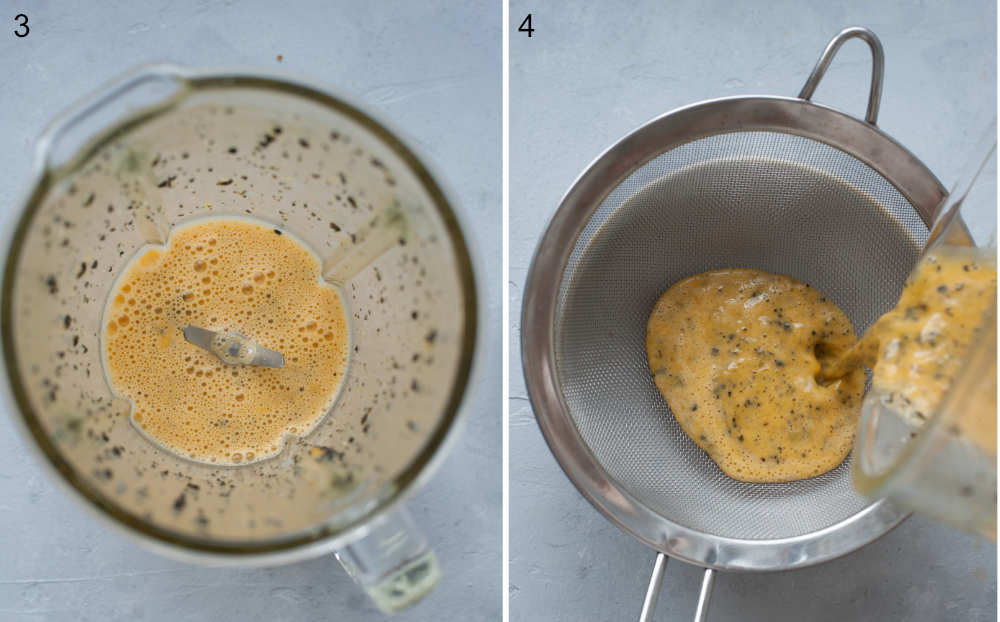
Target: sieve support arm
x=707 y=581
x=653 y=590
x=656 y=581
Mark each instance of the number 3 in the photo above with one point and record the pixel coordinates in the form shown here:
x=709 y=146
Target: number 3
x=23 y=23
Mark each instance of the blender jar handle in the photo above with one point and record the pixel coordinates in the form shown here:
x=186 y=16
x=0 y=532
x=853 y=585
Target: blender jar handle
x=108 y=104
x=878 y=68
x=393 y=563
x=653 y=591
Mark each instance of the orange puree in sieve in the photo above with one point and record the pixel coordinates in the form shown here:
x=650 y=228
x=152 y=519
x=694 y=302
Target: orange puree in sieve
x=764 y=374
x=236 y=275
x=735 y=353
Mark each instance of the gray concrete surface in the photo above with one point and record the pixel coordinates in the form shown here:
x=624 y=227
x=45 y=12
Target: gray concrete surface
x=591 y=73
x=434 y=69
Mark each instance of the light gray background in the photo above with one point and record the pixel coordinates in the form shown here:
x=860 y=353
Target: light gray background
x=591 y=73
x=433 y=68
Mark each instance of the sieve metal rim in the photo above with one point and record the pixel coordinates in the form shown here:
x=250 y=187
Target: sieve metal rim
x=796 y=116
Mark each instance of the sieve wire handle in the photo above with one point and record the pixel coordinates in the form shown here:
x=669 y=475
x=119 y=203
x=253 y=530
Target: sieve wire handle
x=653 y=591
x=878 y=67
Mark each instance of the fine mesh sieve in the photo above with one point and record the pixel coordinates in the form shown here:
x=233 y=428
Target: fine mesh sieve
x=778 y=184
x=718 y=203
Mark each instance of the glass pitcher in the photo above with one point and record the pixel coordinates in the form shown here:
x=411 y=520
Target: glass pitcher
x=162 y=146
x=945 y=466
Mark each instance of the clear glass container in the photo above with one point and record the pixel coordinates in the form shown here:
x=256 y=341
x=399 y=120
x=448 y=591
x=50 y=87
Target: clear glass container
x=163 y=146
x=945 y=464
x=945 y=468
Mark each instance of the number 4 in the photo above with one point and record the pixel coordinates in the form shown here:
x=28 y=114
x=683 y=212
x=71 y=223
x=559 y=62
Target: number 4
x=526 y=26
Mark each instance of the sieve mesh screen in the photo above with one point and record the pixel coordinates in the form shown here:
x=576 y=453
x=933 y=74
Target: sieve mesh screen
x=766 y=200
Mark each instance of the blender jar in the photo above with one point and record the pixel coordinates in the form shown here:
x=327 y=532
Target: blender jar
x=944 y=464
x=946 y=467
x=112 y=180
